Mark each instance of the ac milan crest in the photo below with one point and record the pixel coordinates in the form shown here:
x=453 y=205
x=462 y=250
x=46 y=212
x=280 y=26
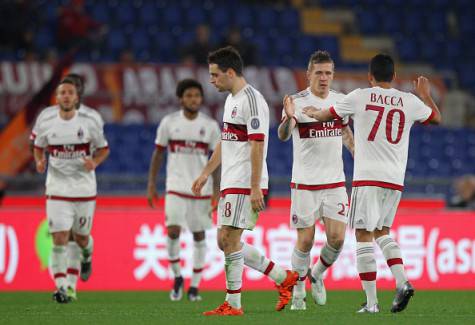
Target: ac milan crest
x=80 y=133
x=234 y=112
x=202 y=132
x=295 y=219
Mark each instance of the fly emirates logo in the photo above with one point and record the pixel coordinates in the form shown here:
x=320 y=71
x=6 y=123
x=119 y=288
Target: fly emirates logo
x=69 y=151
x=234 y=132
x=320 y=129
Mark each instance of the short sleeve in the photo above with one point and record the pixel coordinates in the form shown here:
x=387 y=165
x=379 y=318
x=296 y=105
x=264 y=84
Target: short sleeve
x=161 y=140
x=98 y=138
x=35 y=130
x=256 y=115
x=420 y=112
x=215 y=135
x=345 y=107
x=40 y=139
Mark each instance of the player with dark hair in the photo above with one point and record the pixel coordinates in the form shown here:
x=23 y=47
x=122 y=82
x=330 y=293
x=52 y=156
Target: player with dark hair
x=244 y=179
x=189 y=136
x=383 y=117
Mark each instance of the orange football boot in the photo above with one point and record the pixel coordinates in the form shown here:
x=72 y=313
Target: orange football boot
x=285 y=289
x=224 y=310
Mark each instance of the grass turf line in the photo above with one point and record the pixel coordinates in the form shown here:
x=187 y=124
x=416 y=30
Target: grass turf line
x=427 y=307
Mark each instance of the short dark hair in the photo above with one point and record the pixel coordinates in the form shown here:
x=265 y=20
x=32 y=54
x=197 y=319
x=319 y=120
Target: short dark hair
x=227 y=58
x=185 y=84
x=78 y=80
x=320 y=57
x=381 y=68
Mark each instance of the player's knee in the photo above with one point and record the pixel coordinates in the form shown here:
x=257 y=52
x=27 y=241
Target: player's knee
x=336 y=240
x=363 y=235
x=60 y=238
x=199 y=236
x=173 y=232
x=305 y=243
x=82 y=241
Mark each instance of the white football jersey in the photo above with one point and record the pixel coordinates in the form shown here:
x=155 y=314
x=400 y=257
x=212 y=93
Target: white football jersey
x=246 y=117
x=189 y=143
x=68 y=142
x=382 y=122
x=317 y=146
x=46 y=112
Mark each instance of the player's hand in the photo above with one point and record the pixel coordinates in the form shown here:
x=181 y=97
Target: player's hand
x=41 y=166
x=198 y=184
x=422 y=87
x=257 y=199
x=152 y=195
x=310 y=111
x=89 y=164
x=289 y=106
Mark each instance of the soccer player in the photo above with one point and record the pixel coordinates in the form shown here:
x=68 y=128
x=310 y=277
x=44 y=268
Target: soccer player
x=318 y=181
x=189 y=136
x=70 y=136
x=79 y=261
x=244 y=179
x=383 y=117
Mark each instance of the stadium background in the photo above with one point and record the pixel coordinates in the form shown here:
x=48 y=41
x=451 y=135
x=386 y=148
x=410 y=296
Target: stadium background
x=132 y=53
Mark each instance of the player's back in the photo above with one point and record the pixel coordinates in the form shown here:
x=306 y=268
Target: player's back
x=382 y=122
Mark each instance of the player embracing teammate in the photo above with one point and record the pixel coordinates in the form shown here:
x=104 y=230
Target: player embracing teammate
x=383 y=117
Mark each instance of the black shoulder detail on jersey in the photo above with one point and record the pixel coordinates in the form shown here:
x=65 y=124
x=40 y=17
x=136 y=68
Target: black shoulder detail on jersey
x=251 y=98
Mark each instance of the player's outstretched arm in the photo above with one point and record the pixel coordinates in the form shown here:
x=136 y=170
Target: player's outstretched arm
x=322 y=115
x=288 y=123
x=155 y=163
x=213 y=163
x=422 y=88
x=348 y=140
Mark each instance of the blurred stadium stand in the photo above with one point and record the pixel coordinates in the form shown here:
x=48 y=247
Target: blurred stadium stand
x=436 y=34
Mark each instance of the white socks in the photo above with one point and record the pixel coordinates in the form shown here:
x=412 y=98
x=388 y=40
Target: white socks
x=300 y=263
x=392 y=254
x=366 y=266
x=234 y=266
x=328 y=256
x=173 y=248
x=87 y=251
x=199 y=259
x=58 y=265
x=254 y=259
x=73 y=263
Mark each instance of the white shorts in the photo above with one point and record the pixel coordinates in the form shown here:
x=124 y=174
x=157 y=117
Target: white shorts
x=70 y=215
x=194 y=214
x=309 y=206
x=235 y=210
x=373 y=207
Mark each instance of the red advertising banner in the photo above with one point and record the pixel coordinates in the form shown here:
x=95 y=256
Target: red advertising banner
x=145 y=92
x=438 y=251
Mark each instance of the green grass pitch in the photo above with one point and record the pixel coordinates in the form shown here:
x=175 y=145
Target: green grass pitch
x=427 y=307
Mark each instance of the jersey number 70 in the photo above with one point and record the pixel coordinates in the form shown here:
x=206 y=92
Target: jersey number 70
x=389 y=123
